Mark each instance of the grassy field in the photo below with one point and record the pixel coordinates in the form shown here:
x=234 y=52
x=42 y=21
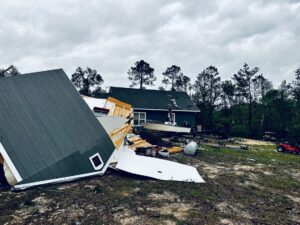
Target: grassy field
x=258 y=186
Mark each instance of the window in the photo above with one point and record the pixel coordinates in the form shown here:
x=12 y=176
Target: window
x=139 y=118
x=96 y=161
x=171 y=120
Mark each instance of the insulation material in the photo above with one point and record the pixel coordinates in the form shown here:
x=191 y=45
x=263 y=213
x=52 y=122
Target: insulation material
x=175 y=150
x=9 y=175
x=94 y=102
x=156 y=168
x=111 y=123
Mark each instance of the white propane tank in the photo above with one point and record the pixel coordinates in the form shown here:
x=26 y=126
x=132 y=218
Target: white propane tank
x=190 y=148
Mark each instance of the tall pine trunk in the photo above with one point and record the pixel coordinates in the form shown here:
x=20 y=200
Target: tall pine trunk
x=141 y=82
x=250 y=111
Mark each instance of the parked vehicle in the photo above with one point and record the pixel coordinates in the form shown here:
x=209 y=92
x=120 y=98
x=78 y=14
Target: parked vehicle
x=270 y=136
x=287 y=147
x=278 y=136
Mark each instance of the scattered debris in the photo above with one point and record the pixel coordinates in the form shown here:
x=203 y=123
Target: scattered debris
x=164 y=153
x=244 y=147
x=175 y=150
x=250 y=159
x=191 y=148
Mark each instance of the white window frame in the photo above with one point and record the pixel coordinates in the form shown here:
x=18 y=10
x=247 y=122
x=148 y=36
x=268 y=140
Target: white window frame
x=97 y=167
x=174 y=117
x=139 y=118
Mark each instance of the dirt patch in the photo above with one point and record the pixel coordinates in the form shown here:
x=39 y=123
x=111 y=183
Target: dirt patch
x=212 y=171
x=20 y=216
x=250 y=170
x=163 y=196
x=243 y=167
x=178 y=210
x=126 y=217
x=233 y=209
x=293 y=198
x=294 y=173
x=42 y=204
x=229 y=222
x=255 y=142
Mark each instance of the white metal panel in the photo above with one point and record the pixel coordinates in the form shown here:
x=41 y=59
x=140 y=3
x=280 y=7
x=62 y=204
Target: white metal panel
x=156 y=168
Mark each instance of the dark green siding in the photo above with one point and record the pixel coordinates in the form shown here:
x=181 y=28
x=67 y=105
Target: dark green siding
x=161 y=116
x=154 y=99
x=46 y=127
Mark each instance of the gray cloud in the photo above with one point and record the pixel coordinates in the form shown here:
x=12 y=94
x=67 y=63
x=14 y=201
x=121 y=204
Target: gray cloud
x=110 y=35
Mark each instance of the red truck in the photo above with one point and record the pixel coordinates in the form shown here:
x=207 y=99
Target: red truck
x=286 y=147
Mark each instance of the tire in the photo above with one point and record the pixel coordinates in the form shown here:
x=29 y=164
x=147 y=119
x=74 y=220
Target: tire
x=280 y=148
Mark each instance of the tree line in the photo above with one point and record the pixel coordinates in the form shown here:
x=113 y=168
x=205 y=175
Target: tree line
x=245 y=105
x=89 y=81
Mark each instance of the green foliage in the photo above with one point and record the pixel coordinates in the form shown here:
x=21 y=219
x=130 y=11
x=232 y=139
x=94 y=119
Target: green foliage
x=183 y=83
x=10 y=71
x=296 y=85
x=86 y=79
x=174 y=77
x=207 y=89
x=248 y=106
x=141 y=74
x=244 y=81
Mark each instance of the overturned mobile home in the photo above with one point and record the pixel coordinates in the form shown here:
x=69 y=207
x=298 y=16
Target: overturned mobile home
x=48 y=134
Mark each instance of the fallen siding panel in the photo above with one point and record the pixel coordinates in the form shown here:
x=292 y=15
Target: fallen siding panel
x=46 y=128
x=156 y=168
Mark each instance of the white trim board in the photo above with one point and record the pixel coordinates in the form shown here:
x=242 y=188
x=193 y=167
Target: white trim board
x=174 y=110
x=65 y=179
x=10 y=163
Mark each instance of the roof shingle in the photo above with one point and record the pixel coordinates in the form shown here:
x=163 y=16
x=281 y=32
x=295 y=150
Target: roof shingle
x=154 y=99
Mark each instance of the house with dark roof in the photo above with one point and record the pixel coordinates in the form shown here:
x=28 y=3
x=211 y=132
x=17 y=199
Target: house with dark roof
x=153 y=105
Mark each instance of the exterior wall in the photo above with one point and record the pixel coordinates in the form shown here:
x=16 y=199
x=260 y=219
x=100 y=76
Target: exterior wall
x=180 y=117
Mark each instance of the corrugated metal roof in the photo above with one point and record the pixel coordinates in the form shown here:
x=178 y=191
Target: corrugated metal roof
x=47 y=129
x=154 y=99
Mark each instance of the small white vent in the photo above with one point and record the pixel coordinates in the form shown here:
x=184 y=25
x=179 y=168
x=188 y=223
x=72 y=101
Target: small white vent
x=97 y=161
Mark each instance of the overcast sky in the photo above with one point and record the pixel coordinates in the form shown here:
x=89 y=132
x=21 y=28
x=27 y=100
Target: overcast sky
x=111 y=35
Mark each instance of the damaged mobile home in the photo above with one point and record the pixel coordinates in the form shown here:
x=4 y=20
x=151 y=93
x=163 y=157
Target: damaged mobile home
x=48 y=134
